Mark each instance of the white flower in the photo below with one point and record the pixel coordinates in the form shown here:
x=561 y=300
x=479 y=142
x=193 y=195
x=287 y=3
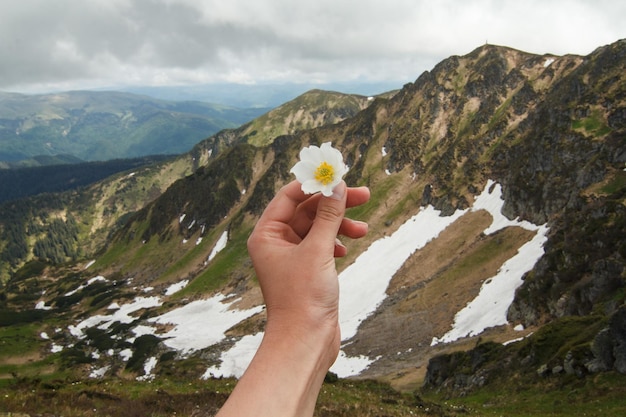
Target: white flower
x=319 y=169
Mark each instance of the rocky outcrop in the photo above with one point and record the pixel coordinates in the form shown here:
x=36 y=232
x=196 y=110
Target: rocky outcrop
x=609 y=346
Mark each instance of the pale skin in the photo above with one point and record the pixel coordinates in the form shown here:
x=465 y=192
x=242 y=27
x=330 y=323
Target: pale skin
x=293 y=249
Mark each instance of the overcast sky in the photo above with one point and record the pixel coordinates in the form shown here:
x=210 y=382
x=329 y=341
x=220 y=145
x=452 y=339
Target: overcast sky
x=80 y=44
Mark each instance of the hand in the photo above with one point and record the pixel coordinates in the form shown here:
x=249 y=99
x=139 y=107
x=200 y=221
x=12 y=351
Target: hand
x=293 y=247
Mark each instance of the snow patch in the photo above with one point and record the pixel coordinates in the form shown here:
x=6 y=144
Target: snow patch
x=219 y=246
x=235 y=361
x=41 y=305
x=100 y=372
x=126 y=354
x=122 y=315
x=378 y=263
x=201 y=323
x=490 y=306
x=174 y=288
x=88 y=283
x=148 y=367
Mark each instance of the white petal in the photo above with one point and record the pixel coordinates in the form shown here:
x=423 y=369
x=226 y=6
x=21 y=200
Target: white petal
x=327 y=190
x=304 y=170
x=311 y=154
x=311 y=186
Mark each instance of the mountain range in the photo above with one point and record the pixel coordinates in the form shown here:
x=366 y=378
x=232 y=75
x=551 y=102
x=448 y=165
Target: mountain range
x=103 y=125
x=495 y=256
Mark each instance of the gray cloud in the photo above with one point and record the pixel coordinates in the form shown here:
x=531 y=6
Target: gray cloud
x=79 y=44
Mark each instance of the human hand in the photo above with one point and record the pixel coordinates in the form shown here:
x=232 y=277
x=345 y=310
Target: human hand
x=293 y=247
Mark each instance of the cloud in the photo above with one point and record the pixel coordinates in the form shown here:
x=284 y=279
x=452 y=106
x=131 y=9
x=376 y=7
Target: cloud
x=152 y=42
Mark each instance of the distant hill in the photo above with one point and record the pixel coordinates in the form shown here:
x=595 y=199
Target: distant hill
x=98 y=126
x=258 y=95
x=59 y=176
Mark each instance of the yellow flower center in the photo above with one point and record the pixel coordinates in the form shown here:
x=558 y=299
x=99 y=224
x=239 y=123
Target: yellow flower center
x=324 y=173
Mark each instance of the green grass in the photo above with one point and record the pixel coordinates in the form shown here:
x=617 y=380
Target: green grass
x=18 y=340
x=600 y=395
x=594 y=125
x=618 y=183
x=219 y=270
x=185 y=397
x=379 y=194
x=191 y=255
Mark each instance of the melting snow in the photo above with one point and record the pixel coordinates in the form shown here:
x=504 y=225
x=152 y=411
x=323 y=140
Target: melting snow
x=201 y=323
x=148 y=367
x=363 y=284
x=174 y=288
x=236 y=360
x=89 y=282
x=489 y=308
x=126 y=354
x=140 y=331
x=219 y=246
x=99 y=373
x=122 y=315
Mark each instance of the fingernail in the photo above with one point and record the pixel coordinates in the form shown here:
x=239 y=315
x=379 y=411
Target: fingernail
x=360 y=223
x=339 y=191
x=339 y=243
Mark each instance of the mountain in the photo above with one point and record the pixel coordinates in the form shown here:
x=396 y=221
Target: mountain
x=494 y=265
x=97 y=126
x=105 y=205
x=59 y=174
x=261 y=95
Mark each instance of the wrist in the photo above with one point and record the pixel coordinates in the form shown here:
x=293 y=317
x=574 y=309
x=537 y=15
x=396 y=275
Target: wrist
x=318 y=341
x=286 y=373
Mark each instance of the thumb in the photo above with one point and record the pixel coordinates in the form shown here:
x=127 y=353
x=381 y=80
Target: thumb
x=330 y=212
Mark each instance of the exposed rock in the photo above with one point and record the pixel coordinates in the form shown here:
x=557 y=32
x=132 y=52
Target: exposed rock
x=617 y=329
x=602 y=349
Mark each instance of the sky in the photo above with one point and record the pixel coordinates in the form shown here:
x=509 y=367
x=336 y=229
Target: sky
x=86 y=44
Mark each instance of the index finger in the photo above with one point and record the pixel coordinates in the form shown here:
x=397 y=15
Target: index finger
x=283 y=206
